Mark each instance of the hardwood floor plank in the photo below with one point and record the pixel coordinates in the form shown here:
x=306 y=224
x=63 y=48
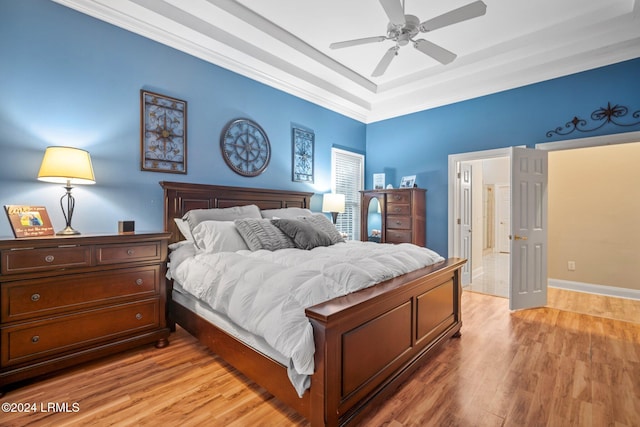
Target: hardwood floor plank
x=540 y=367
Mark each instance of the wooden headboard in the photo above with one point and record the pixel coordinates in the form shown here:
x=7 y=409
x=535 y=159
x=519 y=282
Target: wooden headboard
x=181 y=197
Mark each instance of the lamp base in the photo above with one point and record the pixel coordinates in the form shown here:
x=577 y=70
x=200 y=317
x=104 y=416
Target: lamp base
x=68 y=231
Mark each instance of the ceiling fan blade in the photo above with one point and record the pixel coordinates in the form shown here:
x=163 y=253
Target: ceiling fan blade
x=348 y=43
x=438 y=53
x=385 y=61
x=472 y=10
x=394 y=11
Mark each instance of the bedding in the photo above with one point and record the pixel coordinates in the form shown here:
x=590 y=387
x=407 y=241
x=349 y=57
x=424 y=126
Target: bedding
x=218 y=236
x=285 y=213
x=262 y=234
x=303 y=233
x=266 y=292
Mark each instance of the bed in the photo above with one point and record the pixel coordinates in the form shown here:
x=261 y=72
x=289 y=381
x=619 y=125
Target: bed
x=412 y=314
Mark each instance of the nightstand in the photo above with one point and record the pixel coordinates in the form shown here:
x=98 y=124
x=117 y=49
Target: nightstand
x=66 y=300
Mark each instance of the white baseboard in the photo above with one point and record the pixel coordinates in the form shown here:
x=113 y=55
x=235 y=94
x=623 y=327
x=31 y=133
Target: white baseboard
x=610 y=291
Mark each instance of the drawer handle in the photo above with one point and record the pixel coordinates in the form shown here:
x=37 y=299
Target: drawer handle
x=130 y=251
x=398 y=222
x=139 y=282
x=35 y=297
x=397 y=197
x=139 y=316
x=397 y=209
x=49 y=258
x=35 y=339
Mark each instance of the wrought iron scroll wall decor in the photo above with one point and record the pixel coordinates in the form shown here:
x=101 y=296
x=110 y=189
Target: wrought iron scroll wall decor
x=610 y=114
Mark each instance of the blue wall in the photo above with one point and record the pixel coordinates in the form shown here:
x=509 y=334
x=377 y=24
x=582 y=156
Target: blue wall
x=420 y=143
x=69 y=79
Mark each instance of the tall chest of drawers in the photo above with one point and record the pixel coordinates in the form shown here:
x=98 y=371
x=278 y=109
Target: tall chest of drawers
x=65 y=300
x=402 y=215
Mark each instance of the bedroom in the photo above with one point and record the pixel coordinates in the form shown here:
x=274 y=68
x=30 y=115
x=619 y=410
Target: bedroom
x=57 y=90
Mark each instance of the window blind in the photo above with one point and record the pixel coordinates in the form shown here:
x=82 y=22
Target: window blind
x=347 y=177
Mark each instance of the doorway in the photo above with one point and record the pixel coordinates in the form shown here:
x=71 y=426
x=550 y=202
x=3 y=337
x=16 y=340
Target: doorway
x=490 y=207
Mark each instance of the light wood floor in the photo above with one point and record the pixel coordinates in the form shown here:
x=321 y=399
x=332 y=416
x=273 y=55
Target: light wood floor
x=542 y=367
x=595 y=305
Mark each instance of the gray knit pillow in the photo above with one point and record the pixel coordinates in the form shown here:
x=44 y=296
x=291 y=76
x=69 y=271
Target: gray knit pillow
x=262 y=234
x=322 y=223
x=303 y=233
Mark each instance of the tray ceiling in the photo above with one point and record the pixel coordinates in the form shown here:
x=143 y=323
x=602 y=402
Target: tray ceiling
x=285 y=44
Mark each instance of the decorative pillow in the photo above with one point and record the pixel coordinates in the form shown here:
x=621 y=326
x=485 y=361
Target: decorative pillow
x=183 y=227
x=285 y=213
x=322 y=223
x=196 y=216
x=218 y=236
x=262 y=234
x=303 y=233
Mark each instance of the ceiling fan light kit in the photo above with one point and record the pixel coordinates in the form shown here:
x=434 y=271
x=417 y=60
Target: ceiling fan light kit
x=403 y=29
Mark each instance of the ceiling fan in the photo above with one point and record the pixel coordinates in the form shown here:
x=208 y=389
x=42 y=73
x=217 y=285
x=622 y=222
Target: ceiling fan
x=402 y=29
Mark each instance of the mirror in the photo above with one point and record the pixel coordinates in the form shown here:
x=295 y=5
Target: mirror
x=374 y=221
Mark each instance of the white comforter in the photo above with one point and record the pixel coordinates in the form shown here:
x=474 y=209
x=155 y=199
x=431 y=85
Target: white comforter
x=266 y=292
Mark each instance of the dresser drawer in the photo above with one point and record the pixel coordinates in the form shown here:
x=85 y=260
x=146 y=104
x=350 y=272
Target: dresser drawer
x=27 y=260
x=120 y=253
x=26 y=299
x=399 y=222
x=31 y=341
x=398 y=236
x=398 y=209
x=399 y=197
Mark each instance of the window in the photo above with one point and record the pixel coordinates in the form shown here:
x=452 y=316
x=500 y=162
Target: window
x=347 y=177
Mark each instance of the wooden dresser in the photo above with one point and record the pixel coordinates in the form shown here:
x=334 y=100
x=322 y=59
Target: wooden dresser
x=65 y=300
x=402 y=215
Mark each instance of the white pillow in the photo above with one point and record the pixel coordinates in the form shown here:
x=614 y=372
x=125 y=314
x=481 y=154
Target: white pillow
x=218 y=236
x=184 y=228
x=285 y=213
x=196 y=216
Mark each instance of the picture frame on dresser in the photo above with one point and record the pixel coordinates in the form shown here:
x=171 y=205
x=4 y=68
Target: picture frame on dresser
x=408 y=181
x=29 y=221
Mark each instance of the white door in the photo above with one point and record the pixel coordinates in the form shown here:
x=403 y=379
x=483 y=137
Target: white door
x=504 y=218
x=528 y=275
x=465 y=220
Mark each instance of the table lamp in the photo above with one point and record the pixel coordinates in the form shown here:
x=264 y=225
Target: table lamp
x=67 y=165
x=333 y=203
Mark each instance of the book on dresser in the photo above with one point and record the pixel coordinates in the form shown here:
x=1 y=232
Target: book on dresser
x=66 y=300
x=394 y=215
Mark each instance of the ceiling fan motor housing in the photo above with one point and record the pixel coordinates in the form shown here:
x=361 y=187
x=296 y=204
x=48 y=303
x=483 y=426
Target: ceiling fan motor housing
x=403 y=34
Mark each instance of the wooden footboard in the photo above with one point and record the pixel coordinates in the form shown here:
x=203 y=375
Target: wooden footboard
x=368 y=342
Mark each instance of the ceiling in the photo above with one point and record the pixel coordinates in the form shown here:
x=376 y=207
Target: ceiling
x=285 y=44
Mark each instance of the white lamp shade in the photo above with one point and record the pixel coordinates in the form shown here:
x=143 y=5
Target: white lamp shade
x=66 y=165
x=332 y=202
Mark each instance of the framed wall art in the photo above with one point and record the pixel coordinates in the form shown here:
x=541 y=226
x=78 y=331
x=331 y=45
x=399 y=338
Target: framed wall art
x=302 y=151
x=163 y=133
